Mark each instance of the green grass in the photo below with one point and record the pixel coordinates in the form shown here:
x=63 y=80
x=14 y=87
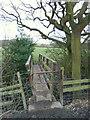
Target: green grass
x=42 y=50
x=37 y=51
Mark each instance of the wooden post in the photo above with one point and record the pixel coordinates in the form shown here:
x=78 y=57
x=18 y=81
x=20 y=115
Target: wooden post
x=28 y=67
x=43 y=61
x=52 y=79
x=39 y=58
x=22 y=93
x=61 y=87
x=47 y=62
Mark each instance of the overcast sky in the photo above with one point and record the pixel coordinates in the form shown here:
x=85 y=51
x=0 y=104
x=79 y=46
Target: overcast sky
x=8 y=30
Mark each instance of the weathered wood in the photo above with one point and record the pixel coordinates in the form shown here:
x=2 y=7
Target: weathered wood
x=53 y=68
x=28 y=64
x=29 y=67
x=48 y=58
x=47 y=62
x=22 y=91
x=28 y=61
x=6 y=103
x=47 y=68
x=2 y=114
x=50 y=83
x=61 y=86
x=76 y=88
x=75 y=81
x=11 y=92
x=10 y=87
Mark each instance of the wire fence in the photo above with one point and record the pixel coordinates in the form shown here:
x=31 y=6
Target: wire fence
x=15 y=95
x=83 y=94
x=54 y=83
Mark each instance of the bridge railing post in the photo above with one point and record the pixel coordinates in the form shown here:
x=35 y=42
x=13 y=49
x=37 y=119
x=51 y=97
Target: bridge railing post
x=39 y=58
x=43 y=61
x=47 y=62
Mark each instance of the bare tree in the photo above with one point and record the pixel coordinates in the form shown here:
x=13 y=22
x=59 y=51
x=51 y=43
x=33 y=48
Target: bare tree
x=70 y=18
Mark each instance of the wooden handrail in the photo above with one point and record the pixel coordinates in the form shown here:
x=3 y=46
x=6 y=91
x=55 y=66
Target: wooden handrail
x=29 y=64
x=28 y=61
x=48 y=61
x=48 y=58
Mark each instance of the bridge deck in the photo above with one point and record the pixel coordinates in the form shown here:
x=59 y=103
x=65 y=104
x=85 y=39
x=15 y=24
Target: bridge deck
x=43 y=97
x=41 y=90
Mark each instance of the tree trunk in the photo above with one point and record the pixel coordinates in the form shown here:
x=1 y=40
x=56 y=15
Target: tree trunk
x=76 y=58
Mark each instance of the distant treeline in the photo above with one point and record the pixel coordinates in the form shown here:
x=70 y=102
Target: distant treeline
x=47 y=46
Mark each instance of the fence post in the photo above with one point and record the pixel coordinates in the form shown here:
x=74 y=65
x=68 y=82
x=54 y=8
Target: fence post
x=61 y=85
x=52 y=78
x=23 y=96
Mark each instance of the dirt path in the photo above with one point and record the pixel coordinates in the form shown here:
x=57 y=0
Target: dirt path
x=72 y=111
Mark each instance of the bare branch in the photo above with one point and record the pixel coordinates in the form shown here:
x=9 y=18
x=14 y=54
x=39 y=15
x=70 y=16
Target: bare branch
x=82 y=11
x=84 y=22
x=84 y=34
x=42 y=34
x=85 y=40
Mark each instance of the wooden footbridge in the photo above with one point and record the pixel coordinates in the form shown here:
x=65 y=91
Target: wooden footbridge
x=47 y=85
x=46 y=77
x=42 y=80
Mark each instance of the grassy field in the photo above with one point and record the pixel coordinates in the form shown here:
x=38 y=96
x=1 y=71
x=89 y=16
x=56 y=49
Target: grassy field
x=42 y=50
x=38 y=50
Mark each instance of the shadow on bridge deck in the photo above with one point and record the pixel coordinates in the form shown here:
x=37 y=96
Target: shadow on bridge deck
x=42 y=95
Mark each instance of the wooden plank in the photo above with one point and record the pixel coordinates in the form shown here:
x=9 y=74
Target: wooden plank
x=11 y=92
x=77 y=88
x=6 y=103
x=50 y=84
x=61 y=85
x=75 y=82
x=22 y=92
x=10 y=87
